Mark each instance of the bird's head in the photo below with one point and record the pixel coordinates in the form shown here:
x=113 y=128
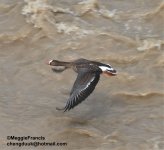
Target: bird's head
x=107 y=69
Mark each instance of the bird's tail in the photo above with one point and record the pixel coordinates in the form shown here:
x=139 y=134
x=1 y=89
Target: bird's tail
x=60 y=63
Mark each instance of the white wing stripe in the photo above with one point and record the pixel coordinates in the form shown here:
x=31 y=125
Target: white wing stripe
x=89 y=83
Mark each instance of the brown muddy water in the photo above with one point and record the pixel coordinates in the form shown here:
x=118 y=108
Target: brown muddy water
x=125 y=112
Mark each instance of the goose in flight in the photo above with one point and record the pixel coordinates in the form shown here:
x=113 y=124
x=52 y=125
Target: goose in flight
x=86 y=81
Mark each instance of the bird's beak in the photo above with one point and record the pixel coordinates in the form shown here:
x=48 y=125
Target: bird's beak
x=112 y=72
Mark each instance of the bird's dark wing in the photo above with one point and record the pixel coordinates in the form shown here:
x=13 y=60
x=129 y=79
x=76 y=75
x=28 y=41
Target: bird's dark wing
x=84 y=85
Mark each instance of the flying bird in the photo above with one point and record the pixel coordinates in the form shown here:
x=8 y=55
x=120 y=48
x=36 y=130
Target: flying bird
x=86 y=81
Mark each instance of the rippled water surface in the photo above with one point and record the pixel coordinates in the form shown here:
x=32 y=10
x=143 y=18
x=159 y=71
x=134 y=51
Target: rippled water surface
x=125 y=112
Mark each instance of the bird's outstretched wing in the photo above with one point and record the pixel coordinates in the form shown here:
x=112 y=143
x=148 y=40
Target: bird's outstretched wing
x=84 y=85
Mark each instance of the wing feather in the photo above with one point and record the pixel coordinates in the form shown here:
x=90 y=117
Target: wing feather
x=82 y=91
x=84 y=85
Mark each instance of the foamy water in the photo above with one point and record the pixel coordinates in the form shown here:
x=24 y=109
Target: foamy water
x=125 y=112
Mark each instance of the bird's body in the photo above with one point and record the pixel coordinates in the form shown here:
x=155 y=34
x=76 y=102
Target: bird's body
x=87 y=78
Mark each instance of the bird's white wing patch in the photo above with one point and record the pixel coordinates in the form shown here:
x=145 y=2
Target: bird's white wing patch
x=89 y=83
